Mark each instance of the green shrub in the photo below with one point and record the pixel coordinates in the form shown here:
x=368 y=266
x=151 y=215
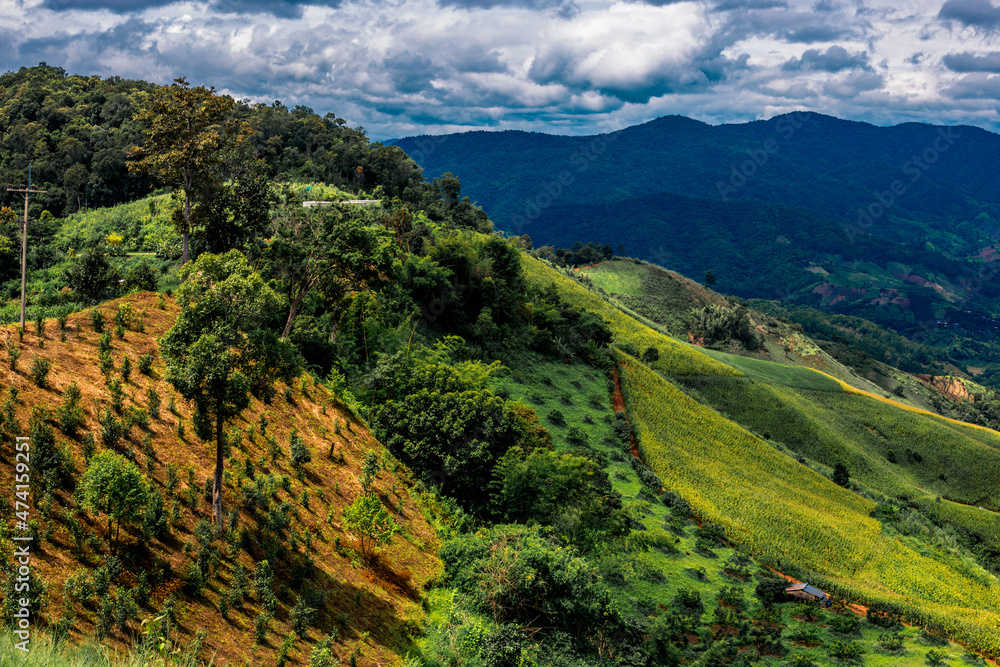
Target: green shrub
x=70 y=414
x=368 y=519
x=13 y=353
x=846 y=624
x=299 y=453
x=544 y=580
x=260 y=626
x=936 y=656
x=890 y=642
x=770 y=591
x=97 y=320
x=146 y=363
x=112 y=429
x=126 y=368
x=323 y=655
x=89 y=446
x=847 y=651
x=556 y=417
x=117 y=394
x=153 y=402
x=40 y=367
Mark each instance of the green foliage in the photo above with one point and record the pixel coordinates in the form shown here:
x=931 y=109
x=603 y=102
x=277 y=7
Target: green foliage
x=846 y=651
x=840 y=475
x=51 y=464
x=93 y=278
x=40 y=367
x=13 y=353
x=936 y=657
x=146 y=363
x=298 y=452
x=368 y=519
x=219 y=352
x=115 y=487
x=771 y=591
x=112 y=429
x=518 y=574
x=568 y=492
x=140 y=278
x=184 y=145
x=126 y=369
x=153 y=402
x=369 y=471
x=70 y=414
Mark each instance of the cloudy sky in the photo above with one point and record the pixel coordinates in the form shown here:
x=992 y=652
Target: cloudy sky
x=563 y=66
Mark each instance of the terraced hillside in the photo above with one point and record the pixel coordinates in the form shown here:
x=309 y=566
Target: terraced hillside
x=168 y=563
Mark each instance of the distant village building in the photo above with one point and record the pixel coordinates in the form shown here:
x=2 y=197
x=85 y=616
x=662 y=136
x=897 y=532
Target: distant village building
x=356 y=202
x=808 y=593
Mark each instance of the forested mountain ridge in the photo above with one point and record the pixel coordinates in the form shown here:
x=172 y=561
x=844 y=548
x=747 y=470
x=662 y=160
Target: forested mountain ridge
x=894 y=224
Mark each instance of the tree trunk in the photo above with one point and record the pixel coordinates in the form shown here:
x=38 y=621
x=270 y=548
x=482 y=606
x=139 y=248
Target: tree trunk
x=292 y=310
x=217 y=486
x=185 y=256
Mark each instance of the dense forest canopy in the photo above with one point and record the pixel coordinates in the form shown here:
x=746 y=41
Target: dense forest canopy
x=76 y=132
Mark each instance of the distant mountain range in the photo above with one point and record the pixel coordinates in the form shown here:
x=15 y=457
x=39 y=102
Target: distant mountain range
x=899 y=224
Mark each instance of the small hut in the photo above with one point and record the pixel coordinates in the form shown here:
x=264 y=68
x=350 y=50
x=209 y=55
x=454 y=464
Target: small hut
x=809 y=594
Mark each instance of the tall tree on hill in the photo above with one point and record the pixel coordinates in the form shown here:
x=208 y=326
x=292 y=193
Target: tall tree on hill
x=220 y=350
x=337 y=250
x=185 y=141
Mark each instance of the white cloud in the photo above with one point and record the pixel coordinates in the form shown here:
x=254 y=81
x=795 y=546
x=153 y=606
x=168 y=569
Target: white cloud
x=591 y=65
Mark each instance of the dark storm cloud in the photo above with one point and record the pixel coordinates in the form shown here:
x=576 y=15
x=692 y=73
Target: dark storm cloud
x=834 y=59
x=746 y=21
x=973 y=13
x=278 y=8
x=971 y=62
x=116 y=6
x=979 y=85
x=410 y=72
x=563 y=8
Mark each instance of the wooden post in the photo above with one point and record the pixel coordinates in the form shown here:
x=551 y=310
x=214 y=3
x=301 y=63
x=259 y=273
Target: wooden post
x=27 y=192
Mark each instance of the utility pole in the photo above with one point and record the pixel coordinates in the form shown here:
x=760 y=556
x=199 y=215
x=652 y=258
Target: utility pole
x=27 y=192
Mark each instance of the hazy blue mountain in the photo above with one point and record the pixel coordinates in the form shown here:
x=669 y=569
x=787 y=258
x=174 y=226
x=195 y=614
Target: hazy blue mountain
x=895 y=223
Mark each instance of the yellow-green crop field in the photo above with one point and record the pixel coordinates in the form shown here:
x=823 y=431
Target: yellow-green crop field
x=790 y=514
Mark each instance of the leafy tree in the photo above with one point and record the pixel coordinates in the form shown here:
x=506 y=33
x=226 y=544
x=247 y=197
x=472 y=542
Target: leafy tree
x=840 y=475
x=453 y=439
x=114 y=486
x=220 y=350
x=568 y=492
x=185 y=141
x=367 y=518
x=336 y=250
x=710 y=278
x=520 y=574
x=92 y=276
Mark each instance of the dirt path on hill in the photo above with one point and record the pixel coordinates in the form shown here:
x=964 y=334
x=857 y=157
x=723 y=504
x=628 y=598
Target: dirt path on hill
x=618 y=401
x=581 y=268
